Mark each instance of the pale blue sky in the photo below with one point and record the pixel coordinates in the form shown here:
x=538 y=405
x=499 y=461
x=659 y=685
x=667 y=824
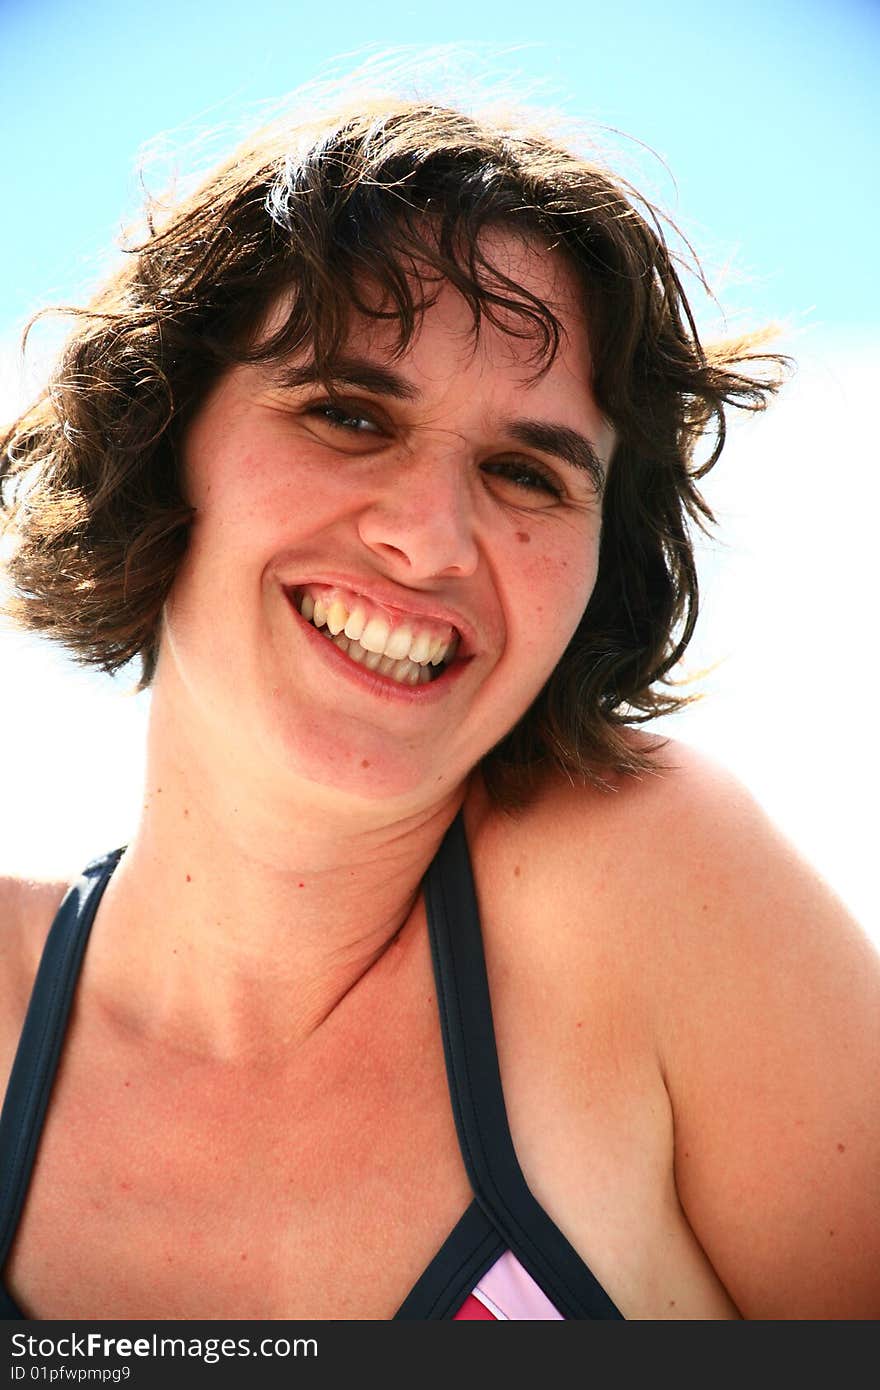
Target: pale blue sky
x=766 y=111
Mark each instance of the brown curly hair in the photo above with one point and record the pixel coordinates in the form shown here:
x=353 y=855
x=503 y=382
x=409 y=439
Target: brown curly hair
x=392 y=199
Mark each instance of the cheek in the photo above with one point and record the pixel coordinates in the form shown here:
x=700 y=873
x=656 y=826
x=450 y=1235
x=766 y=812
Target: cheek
x=246 y=509
x=273 y=495
x=554 y=583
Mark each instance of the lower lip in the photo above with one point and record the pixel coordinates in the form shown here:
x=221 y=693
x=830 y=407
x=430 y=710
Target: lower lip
x=370 y=681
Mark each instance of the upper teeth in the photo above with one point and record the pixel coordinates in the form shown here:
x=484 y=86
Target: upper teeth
x=375 y=632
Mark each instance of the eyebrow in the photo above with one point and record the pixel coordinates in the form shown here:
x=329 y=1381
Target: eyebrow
x=351 y=371
x=565 y=443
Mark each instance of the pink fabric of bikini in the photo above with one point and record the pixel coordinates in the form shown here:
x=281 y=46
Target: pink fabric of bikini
x=506 y=1293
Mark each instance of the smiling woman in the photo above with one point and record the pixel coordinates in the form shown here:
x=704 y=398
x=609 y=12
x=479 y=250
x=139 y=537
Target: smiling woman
x=415 y=500
x=382 y=454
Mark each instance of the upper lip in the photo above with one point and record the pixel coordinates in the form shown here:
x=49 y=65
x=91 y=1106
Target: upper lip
x=408 y=602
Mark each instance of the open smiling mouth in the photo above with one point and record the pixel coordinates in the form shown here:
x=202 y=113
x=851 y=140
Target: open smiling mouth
x=408 y=651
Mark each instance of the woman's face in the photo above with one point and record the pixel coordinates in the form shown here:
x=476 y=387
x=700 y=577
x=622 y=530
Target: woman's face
x=444 y=506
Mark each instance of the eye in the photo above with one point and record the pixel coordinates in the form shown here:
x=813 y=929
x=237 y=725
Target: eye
x=528 y=478
x=348 y=419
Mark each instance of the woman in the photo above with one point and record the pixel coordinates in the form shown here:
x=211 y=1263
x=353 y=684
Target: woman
x=380 y=453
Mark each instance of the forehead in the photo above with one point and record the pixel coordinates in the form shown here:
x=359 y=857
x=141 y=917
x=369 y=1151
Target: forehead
x=527 y=291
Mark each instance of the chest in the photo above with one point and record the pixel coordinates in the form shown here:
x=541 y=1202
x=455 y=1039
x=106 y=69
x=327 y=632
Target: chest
x=168 y=1188
x=165 y=1188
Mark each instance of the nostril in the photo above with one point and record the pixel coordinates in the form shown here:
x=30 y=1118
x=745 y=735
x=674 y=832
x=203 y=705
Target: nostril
x=385 y=548
x=424 y=542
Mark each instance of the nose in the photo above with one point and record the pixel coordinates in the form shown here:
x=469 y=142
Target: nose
x=421 y=523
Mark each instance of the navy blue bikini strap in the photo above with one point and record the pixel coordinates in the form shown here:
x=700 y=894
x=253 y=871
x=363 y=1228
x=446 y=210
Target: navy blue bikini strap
x=476 y=1092
x=42 y=1037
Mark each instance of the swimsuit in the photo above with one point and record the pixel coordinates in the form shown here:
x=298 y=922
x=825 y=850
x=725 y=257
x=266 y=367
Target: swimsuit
x=505 y=1259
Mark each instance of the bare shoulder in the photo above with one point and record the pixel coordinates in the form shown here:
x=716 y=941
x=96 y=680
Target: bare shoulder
x=681 y=842
x=27 y=907
x=694 y=893
x=762 y=997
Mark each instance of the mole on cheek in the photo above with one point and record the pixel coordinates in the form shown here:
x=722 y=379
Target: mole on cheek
x=523 y=537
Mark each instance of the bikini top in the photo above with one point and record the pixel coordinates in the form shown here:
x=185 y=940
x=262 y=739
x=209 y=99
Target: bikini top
x=504 y=1259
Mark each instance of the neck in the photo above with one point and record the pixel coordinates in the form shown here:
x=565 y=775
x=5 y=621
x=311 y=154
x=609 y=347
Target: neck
x=241 y=916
